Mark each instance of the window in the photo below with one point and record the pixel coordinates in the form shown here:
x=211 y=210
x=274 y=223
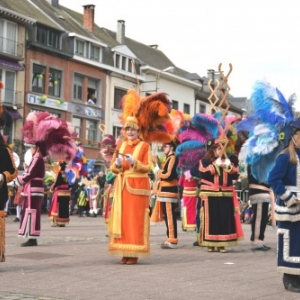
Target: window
x=77 y=123
x=124 y=59
x=129 y=68
x=54 y=88
x=116 y=131
x=8 y=78
x=117 y=62
x=119 y=93
x=8 y=37
x=92 y=90
x=186 y=108
x=202 y=108
x=77 y=87
x=90 y=130
x=79 y=48
x=175 y=104
x=38 y=80
x=48 y=37
x=95 y=53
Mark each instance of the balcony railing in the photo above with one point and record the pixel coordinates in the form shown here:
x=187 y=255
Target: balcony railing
x=11 y=48
x=11 y=97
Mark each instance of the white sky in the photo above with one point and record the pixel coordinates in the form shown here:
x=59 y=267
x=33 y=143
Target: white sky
x=260 y=38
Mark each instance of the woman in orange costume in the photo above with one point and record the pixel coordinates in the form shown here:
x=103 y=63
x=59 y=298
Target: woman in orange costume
x=129 y=219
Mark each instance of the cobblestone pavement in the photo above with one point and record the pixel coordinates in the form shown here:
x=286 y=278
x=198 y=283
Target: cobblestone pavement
x=73 y=263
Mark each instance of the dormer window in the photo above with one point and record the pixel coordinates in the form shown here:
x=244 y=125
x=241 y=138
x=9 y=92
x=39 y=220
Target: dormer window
x=95 y=53
x=123 y=62
x=79 y=48
x=48 y=37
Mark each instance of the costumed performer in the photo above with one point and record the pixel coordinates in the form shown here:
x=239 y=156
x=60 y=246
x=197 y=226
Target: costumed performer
x=284 y=179
x=220 y=220
x=44 y=134
x=167 y=195
x=189 y=185
x=129 y=226
x=59 y=209
x=8 y=172
x=129 y=219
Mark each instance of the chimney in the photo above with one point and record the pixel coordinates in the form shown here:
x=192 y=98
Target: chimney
x=88 y=17
x=54 y=3
x=121 y=32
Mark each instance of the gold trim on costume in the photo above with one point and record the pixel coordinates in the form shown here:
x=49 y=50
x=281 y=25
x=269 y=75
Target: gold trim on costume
x=133 y=250
x=2 y=236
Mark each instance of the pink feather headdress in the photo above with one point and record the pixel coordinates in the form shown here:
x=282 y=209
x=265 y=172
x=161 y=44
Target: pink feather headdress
x=55 y=132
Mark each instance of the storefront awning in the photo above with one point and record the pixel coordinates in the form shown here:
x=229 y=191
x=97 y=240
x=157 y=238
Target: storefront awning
x=12 y=65
x=13 y=113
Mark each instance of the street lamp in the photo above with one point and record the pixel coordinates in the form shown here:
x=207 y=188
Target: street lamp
x=168 y=69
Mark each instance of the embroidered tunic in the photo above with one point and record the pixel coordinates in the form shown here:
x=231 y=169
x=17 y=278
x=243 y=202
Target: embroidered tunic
x=33 y=181
x=129 y=219
x=220 y=221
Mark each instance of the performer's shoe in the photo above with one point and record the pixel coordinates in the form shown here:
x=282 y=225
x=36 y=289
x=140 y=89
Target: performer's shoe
x=196 y=244
x=132 y=261
x=124 y=260
x=222 y=249
x=260 y=247
x=16 y=220
x=210 y=249
x=30 y=242
x=291 y=282
x=168 y=245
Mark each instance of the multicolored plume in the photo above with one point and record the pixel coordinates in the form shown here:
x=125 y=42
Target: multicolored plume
x=267 y=123
x=193 y=137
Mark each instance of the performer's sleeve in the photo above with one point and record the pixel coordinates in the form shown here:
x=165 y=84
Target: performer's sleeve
x=275 y=180
x=113 y=167
x=206 y=166
x=166 y=173
x=144 y=164
x=31 y=173
x=10 y=170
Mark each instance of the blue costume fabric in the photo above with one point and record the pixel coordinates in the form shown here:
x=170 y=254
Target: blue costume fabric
x=283 y=180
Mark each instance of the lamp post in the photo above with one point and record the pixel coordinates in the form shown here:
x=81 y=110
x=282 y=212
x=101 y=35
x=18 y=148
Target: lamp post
x=168 y=69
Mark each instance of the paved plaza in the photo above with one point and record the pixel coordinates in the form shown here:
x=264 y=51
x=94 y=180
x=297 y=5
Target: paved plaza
x=73 y=263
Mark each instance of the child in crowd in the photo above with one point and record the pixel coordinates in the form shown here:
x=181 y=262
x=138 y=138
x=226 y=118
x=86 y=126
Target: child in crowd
x=82 y=199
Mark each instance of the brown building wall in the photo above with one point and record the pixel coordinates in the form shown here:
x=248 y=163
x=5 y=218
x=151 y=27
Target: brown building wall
x=69 y=68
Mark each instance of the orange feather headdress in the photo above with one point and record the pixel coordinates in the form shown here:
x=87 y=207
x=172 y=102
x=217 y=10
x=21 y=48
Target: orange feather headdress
x=150 y=115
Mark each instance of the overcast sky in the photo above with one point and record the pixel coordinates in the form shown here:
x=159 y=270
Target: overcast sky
x=260 y=38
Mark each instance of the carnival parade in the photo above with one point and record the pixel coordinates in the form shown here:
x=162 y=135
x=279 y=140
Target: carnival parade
x=159 y=181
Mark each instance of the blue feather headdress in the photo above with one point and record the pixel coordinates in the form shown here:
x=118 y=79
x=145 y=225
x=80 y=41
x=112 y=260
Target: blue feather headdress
x=269 y=116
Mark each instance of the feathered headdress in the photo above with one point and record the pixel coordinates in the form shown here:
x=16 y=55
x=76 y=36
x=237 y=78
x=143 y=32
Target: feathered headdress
x=268 y=124
x=193 y=138
x=108 y=146
x=149 y=114
x=52 y=131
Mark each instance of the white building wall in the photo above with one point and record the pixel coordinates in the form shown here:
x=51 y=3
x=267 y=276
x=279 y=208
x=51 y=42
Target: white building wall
x=111 y=113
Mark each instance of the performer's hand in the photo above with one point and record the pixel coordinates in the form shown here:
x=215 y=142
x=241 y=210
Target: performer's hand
x=219 y=162
x=227 y=163
x=119 y=161
x=129 y=158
